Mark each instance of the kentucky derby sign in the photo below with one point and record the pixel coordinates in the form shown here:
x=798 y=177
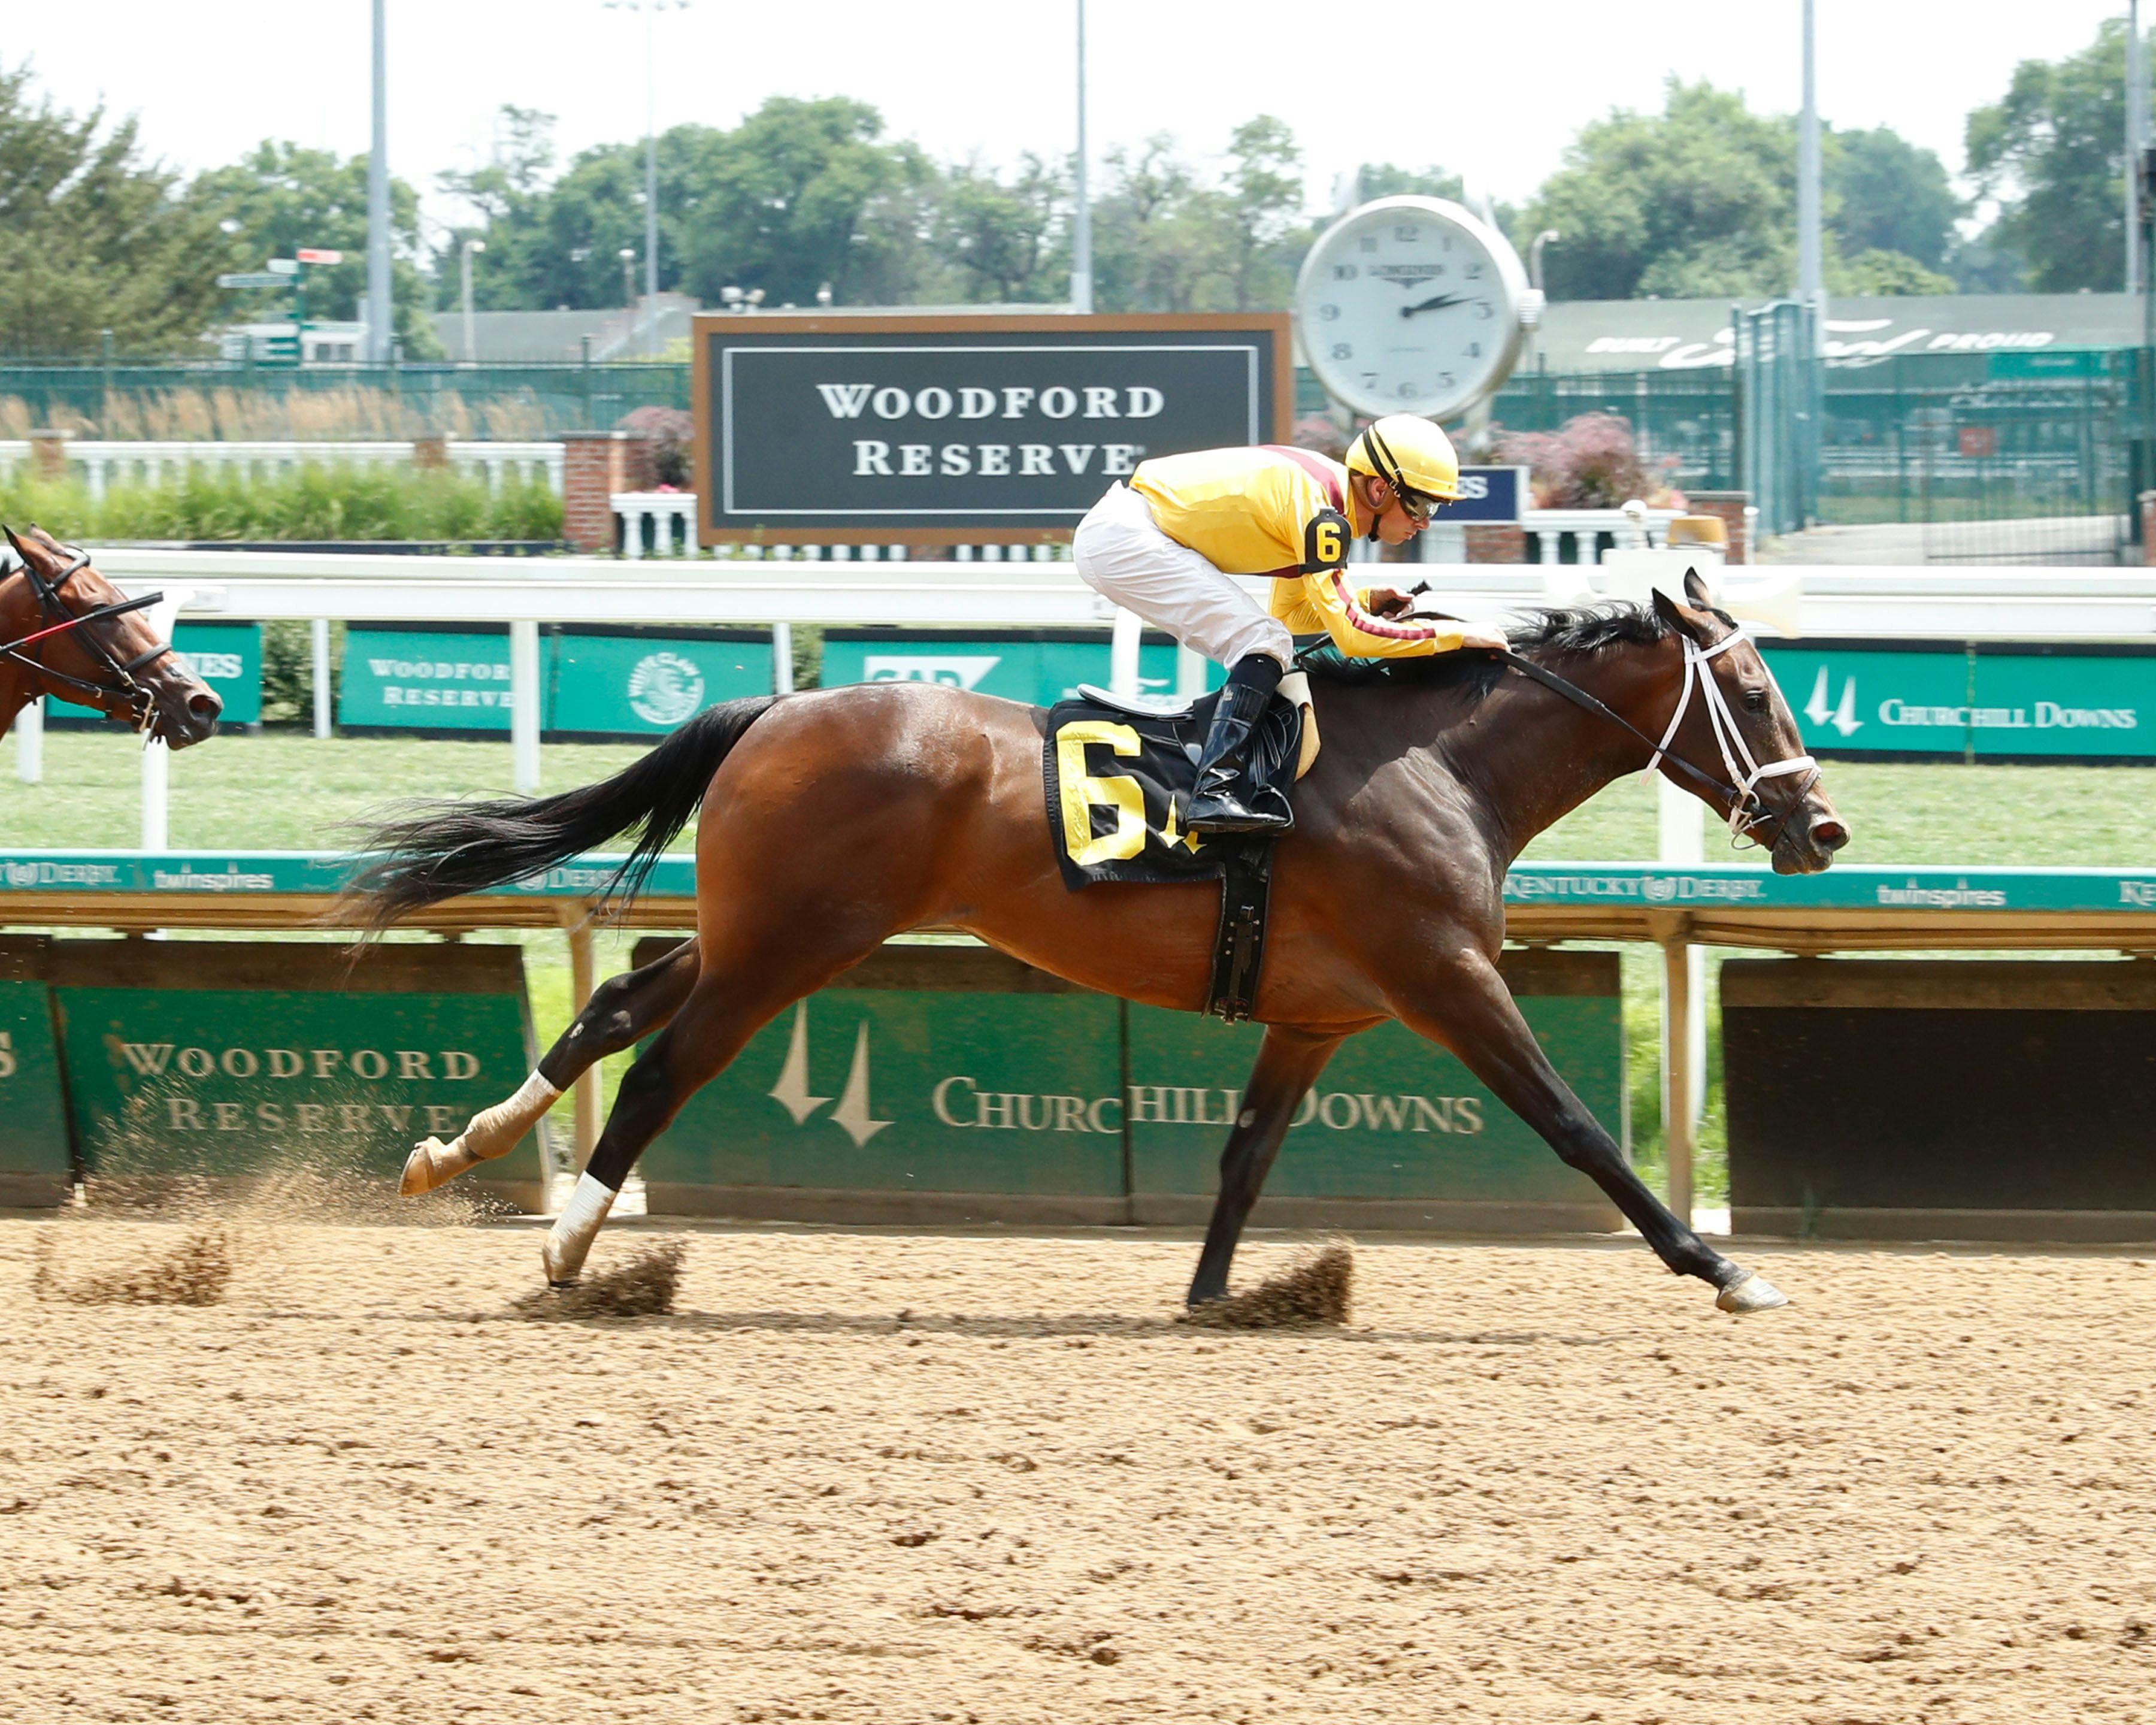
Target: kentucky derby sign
x=962 y=430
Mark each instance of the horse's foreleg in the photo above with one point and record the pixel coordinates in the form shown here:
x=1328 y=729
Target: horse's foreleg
x=1470 y=1010
x=622 y=1011
x=727 y=1005
x=1288 y=1063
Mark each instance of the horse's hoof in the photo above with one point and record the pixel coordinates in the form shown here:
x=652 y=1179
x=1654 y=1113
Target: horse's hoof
x=1751 y=1292
x=420 y=1168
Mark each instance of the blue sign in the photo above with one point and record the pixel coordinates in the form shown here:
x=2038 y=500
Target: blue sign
x=1487 y=494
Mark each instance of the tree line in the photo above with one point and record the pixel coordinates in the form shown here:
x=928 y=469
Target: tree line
x=804 y=198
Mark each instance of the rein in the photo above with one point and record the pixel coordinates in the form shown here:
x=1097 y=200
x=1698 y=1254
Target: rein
x=1747 y=811
x=50 y=601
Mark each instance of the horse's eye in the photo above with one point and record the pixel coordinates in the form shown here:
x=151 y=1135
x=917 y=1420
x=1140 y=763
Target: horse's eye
x=1755 y=701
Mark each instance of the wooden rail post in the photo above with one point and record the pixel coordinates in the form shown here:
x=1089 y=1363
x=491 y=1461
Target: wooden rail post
x=577 y=924
x=1680 y=1076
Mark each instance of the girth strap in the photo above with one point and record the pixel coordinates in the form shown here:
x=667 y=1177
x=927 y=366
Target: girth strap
x=1239 y=944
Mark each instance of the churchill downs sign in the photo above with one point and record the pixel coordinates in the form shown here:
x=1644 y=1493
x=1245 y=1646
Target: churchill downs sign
x=939 y=1082
x=961 y=430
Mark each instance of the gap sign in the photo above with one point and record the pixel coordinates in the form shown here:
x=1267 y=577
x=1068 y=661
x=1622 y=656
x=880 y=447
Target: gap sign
x=1994 y=702
x=1039 y=667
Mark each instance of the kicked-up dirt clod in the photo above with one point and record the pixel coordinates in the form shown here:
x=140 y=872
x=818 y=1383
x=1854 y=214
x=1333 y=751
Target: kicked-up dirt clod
x=1318 y=1291
x=642 y=1287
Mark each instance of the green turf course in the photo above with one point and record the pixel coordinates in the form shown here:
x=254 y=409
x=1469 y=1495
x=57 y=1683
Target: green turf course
x=283 y=790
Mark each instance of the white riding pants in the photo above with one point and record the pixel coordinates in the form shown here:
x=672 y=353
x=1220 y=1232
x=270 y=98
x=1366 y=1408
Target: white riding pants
x=1122 y=554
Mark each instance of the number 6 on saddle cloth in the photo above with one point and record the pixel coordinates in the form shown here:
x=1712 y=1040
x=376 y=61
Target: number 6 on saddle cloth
x=1120 y=776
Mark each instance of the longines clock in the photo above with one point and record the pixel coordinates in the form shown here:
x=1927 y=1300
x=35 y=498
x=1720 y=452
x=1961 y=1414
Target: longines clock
x=1412 y=306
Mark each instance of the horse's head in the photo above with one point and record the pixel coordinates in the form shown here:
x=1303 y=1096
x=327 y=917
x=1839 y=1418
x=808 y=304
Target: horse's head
x=116 y=663
x=1734 y=725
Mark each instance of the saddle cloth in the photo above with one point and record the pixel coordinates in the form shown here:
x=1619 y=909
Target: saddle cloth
x=1120 y=775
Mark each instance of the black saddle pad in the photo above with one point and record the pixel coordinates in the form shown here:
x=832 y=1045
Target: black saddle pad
x=1119 y=782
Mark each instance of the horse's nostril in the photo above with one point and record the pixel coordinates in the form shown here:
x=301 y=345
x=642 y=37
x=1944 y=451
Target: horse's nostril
x=1830 y=834
x=205 y=706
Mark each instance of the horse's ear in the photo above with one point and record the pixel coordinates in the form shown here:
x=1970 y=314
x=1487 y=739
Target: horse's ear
x=1684 y=622
x=1697 y=591
x=22 y=551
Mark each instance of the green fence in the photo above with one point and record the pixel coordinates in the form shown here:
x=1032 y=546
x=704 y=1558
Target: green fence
x=1944 y=439
x=544 y=398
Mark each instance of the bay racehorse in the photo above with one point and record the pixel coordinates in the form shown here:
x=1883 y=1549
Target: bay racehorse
x=67 y=631
x=835 y=819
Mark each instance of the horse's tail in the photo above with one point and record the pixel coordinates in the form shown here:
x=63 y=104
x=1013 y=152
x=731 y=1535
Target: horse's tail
x=432 y=850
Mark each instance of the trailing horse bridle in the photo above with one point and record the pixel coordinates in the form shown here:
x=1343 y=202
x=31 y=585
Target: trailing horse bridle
x=61 y=619
x=1747 y=811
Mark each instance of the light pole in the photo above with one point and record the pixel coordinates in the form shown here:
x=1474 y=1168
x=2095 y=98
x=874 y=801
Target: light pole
x=1811 y=275
x=471 y=348
x=2136 y=138
x=1535 y=256
x=627 y=256
x=1081 y=222
x=380 y=313
x=650 y=9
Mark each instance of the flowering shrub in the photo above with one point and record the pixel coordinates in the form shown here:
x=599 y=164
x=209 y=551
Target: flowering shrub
x=1318 y=432
x=673 y=434
x=1589 y=462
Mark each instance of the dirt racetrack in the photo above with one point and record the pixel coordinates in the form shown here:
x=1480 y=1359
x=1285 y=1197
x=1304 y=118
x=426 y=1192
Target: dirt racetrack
x=908 y=1479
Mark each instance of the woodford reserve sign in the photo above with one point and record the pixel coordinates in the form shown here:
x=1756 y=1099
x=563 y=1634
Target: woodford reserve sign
x=962 y=430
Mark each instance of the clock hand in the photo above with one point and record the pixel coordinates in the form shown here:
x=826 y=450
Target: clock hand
x=1436 y=302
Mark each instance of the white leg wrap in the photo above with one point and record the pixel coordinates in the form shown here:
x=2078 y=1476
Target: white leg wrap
x=491 y=1133
x=569 y=1240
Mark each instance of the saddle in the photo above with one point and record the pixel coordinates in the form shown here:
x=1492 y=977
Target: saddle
x=1119 y=773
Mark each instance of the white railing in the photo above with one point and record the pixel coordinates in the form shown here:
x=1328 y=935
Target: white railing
x=106 y=462
x=663 y=524
x=1548 y=529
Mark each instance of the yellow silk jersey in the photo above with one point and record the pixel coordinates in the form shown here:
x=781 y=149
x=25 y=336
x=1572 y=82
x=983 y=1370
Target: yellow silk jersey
x=1291 y=514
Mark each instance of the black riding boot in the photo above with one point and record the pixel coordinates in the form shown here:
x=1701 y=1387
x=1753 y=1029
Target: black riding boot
x=1224 y=800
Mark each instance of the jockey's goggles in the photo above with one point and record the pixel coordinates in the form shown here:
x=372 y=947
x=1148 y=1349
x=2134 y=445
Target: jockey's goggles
x=1415 y=505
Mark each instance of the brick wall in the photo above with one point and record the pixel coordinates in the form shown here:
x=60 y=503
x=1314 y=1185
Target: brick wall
x=595 y=464
x=1495 y=541
x=48 y=454
x=1730 y=507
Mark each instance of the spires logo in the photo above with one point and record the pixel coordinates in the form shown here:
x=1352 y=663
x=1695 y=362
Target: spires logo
x=853 y=1115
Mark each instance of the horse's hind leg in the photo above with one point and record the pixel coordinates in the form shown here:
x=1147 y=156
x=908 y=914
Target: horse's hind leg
x=1288 y=1063
x=622 y=1011
x=728 y=1004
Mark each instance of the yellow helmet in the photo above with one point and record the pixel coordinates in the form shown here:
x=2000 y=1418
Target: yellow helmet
x=1409 y=454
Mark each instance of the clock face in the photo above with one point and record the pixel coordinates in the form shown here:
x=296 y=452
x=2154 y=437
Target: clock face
x=1410 y=306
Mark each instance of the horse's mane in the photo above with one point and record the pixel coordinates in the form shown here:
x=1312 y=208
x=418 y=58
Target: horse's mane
x=1552 y=632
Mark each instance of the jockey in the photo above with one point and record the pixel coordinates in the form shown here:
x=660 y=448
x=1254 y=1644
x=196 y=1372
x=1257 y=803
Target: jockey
x=1167 y=543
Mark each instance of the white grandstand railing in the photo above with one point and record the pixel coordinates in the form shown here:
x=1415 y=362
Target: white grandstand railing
x=106 y=462
x=659 y=523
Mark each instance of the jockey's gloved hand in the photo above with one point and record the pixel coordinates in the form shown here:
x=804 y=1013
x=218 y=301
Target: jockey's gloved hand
x=1387 y=601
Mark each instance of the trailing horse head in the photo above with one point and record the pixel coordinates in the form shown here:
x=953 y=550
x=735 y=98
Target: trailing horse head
x=89 y=645
x=1730 y=713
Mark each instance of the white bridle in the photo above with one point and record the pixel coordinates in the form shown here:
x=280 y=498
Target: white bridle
x=1750 y=808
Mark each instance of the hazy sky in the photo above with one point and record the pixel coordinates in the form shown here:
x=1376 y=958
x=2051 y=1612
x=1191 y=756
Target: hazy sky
x=1494 y=90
